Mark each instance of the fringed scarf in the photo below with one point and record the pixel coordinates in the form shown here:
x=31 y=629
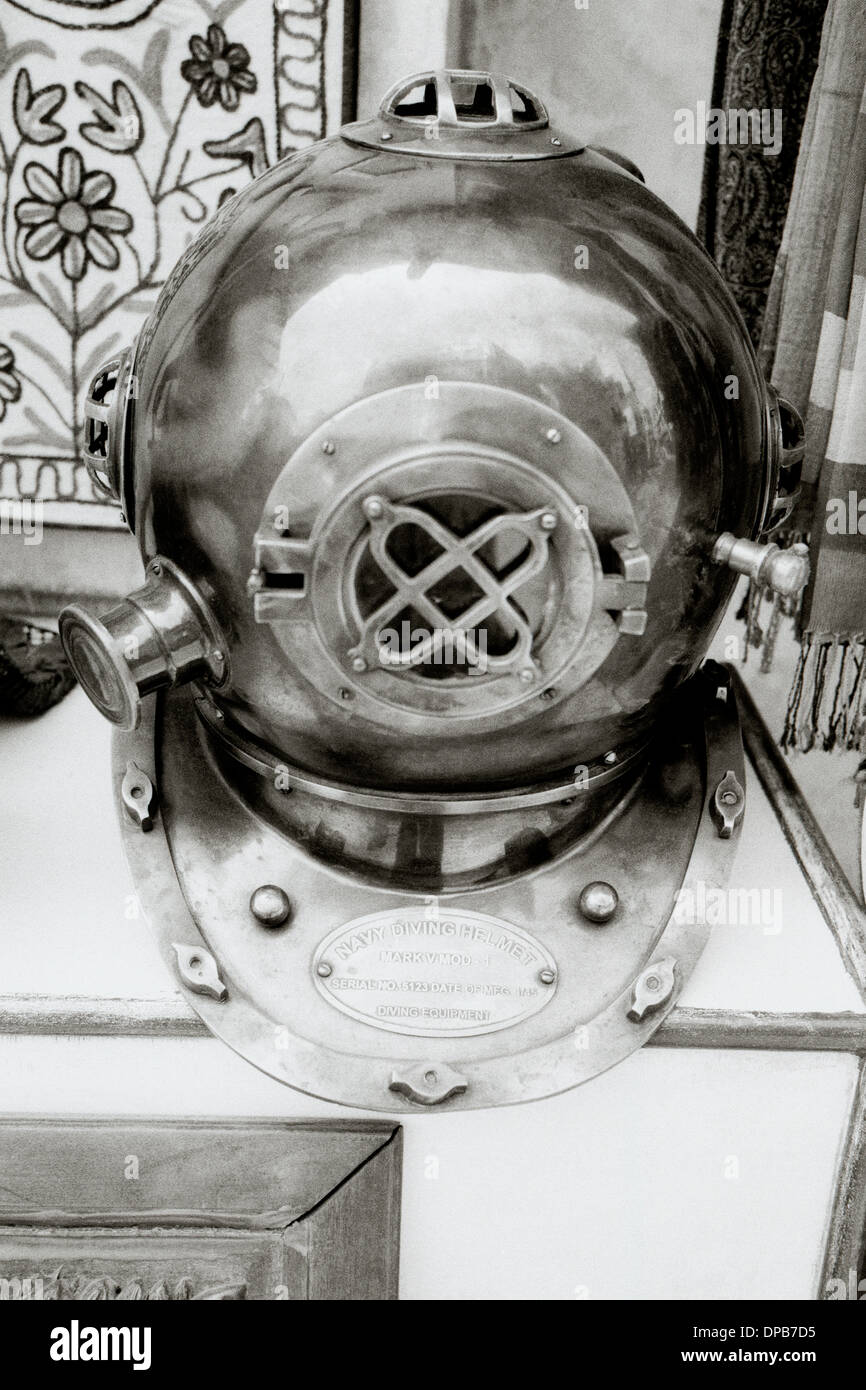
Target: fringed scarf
x=813 y=348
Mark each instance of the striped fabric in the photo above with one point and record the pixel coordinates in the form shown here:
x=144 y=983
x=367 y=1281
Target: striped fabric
x=813 y=348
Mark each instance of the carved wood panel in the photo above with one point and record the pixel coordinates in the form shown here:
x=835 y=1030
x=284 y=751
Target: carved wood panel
x=198 y=1209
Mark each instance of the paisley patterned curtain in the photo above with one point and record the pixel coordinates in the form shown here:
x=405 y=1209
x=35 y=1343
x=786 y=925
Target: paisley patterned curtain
x=766 y=59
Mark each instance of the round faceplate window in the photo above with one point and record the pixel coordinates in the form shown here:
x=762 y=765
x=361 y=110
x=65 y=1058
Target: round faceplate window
x=446 y=560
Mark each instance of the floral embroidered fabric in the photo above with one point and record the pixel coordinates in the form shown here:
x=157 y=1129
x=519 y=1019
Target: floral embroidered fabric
x=122 y=129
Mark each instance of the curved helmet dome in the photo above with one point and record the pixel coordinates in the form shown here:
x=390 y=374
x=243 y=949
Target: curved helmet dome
x=443 y=418
x=443 y=446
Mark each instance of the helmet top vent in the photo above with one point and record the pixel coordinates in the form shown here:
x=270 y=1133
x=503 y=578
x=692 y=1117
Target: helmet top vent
x=460 y=113
x=458 y=98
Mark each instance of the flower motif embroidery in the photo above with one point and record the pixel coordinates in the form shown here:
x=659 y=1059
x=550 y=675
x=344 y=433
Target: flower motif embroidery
x=33 y=111
x=10 y=386
x=71 y=214
x=247 y=144
x=218 y=69
x=117 y=125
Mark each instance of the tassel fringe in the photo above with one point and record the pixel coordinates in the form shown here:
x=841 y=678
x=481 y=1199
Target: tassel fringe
x=827 y=699
x=827 y=703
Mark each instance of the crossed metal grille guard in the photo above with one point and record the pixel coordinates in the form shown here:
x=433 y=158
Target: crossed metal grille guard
x=104 y=423
x=457 y=553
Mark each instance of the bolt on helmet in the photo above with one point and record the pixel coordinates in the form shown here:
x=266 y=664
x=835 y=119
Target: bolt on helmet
x=443 y=446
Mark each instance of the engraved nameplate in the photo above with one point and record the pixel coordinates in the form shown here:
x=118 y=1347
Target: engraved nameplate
x=434 y=972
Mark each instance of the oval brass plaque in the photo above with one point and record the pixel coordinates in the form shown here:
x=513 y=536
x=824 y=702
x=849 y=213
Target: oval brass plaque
x=434 y=972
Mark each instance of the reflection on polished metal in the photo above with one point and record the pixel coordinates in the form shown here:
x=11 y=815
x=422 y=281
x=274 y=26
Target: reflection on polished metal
x=786 y=572
x=464 y=556
x=270 y=905
x=436 y=525
x=396 y=942
x=162 y=634
x=598 y=902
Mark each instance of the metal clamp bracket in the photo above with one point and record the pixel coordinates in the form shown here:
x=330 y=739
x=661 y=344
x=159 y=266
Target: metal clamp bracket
x=279 y=583
x=626 y=592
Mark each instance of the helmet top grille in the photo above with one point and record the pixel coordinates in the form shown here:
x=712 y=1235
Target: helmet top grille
x=464 y=98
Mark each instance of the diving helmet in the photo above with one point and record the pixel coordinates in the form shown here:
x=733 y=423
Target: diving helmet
x=443 y=445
